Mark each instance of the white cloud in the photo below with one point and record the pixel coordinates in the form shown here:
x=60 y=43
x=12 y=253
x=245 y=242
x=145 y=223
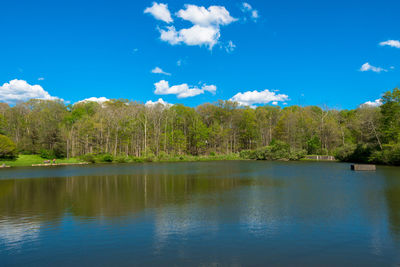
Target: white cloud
x=230 y=47
x=392 y=43
x=19 y=90
x=179 y=62
x=182 y=90
x=160 y=12
x=196 y=35
x=247 y=8
x=376 y=103
x=250 y=98
x=99 y=100
x=199 y=15
x=158 y=70
x=205 y=30
x=159 y=101
x=368 y=67
x=40 y=79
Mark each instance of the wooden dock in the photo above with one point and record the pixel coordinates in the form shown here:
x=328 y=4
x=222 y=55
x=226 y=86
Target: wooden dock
x=363 y=167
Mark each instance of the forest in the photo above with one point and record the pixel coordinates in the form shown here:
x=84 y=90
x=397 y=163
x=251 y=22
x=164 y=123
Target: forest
x=122 y=128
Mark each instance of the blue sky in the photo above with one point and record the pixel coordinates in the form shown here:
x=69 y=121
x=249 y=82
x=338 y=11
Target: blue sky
x=293 y=52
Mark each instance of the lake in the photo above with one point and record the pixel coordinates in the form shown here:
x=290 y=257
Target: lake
x=231 y=213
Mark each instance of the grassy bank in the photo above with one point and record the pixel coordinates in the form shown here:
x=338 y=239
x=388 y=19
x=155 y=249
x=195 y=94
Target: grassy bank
x=29 y=160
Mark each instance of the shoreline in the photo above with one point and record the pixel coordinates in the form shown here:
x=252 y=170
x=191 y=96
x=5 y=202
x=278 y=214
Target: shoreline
x=74 y=161
x=175 y=160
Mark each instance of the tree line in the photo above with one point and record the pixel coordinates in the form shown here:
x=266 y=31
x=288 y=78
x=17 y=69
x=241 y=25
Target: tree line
x=124 y=128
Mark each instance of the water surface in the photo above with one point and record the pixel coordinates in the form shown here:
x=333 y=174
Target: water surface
x=237 y=213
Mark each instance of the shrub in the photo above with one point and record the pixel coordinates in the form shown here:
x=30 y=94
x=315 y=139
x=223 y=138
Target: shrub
x=344 y=153
x=8 y=150
x=247 y=154
x=352 y=153
x=389 y=155
x=297 y=155
x=106 y=158
x=47 y=154
x=276 y=150
x=313 y=145
x=136 y=159
x=89 y=158
x=122 y=159
x=162 y=155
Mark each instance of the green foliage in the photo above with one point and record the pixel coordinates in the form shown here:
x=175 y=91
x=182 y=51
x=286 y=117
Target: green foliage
x=390 y=155
x=88 y=158
x=390 y=110
x=277 y=150
x=209 y=131
x=122 y=159
x=47 y=154
x=313 y=145
x=162 y=156
x=7 y=148
x=248 y=154
x=358 y=154
x=345 y=152
x=106 y=158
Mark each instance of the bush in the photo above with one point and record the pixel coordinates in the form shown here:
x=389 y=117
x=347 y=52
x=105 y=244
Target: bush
x=297 y=155
x=352 y=153
x=344 y=153
x=8 y=149
x=47 y=154
x=277 y=150
x=106 y=158
x=89 y=158
x=247 y=154
x=162 y=156
x=389 y=155
x=122 y=159
x=313 y=145
x=59 y=151
x=136 y=159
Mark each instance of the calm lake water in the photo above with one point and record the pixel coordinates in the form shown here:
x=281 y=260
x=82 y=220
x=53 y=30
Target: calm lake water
x=240 y=213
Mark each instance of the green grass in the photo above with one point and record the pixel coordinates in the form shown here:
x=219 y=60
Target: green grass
x=28 y=160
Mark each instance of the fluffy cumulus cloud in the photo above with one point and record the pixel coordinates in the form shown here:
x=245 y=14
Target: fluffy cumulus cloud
x=99 y=100
x=196 y=35
x=248 y=9
x=19 y=90
x=160 y=12
x=199 y=15
x=182 y=90
x=392 y=43
x=205 y=30
x=376 y=103
x=160 y=101
x=250 y=98
x=369 y=67
x=158 y=70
